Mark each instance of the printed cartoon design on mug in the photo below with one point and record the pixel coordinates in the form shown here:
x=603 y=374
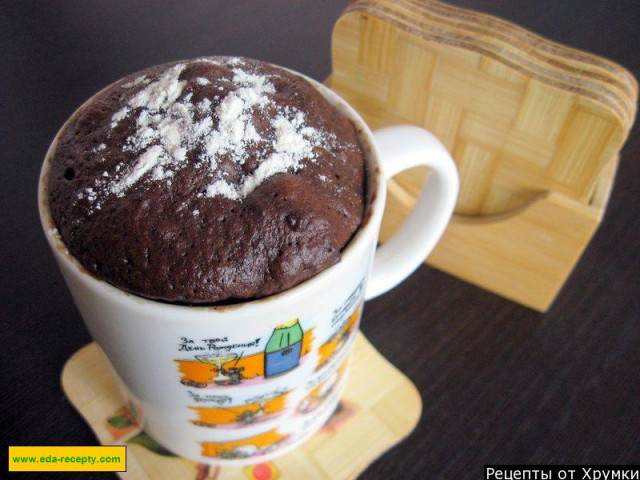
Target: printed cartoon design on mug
x=220 y=362
x=283 y=349
x=344 y=323
x=274 y=439
x=260 y=408
x=322 y=388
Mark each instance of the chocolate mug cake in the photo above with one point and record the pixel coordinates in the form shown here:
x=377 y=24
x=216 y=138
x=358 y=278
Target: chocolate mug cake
x=219 y=180
x=204 y=181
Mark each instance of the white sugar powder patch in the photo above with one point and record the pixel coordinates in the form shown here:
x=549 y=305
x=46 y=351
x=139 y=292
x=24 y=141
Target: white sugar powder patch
x=161 y=93
x=293 y=143
x=147 y=161
x=235 y=130
x=166 y=129
x=204 y=105
x=140 y=80
x=119 y=116
x=222 y=188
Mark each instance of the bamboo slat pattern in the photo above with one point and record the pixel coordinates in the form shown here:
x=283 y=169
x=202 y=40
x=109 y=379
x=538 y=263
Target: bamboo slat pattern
x=535 y=128
x=520 y=114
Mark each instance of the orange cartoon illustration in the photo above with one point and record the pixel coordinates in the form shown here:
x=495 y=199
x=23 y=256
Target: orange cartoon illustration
x=339 y=339
x=245 y=448
x=322 y=391
x=256 y=409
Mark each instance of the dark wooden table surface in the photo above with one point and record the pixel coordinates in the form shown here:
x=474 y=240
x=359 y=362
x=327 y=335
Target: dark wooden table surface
x=500 y=383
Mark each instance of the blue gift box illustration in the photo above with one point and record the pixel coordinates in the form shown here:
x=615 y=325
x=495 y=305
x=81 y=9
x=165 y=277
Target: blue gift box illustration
x=283 y=349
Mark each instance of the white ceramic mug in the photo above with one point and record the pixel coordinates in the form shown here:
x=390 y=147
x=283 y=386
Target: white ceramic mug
x=243 y=383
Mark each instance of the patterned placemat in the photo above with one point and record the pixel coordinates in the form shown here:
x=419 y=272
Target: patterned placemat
x=380 y=407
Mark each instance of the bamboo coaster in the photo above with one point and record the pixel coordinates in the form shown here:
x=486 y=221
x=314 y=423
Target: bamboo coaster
x=535 y=128
x=380 y=407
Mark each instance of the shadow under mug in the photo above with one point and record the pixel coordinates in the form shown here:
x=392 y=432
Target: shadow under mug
x=238 y=384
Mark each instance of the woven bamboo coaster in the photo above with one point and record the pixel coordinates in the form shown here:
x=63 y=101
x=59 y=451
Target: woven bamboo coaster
x=380 y=407
x=535 y=129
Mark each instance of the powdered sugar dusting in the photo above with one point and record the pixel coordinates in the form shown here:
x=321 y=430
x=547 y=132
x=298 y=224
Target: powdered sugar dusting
x=140 y=80
x=293 y=143
x=147 y=161
x=235 y=130
x=168 y=126
x=222 y=188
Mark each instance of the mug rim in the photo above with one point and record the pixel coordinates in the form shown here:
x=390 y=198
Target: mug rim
x=375 y=196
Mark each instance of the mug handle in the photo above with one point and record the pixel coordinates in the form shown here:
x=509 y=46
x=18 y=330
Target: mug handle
x=401 y=148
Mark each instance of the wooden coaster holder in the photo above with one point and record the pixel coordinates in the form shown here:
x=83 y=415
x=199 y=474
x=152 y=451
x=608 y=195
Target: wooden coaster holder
x=535 y=129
